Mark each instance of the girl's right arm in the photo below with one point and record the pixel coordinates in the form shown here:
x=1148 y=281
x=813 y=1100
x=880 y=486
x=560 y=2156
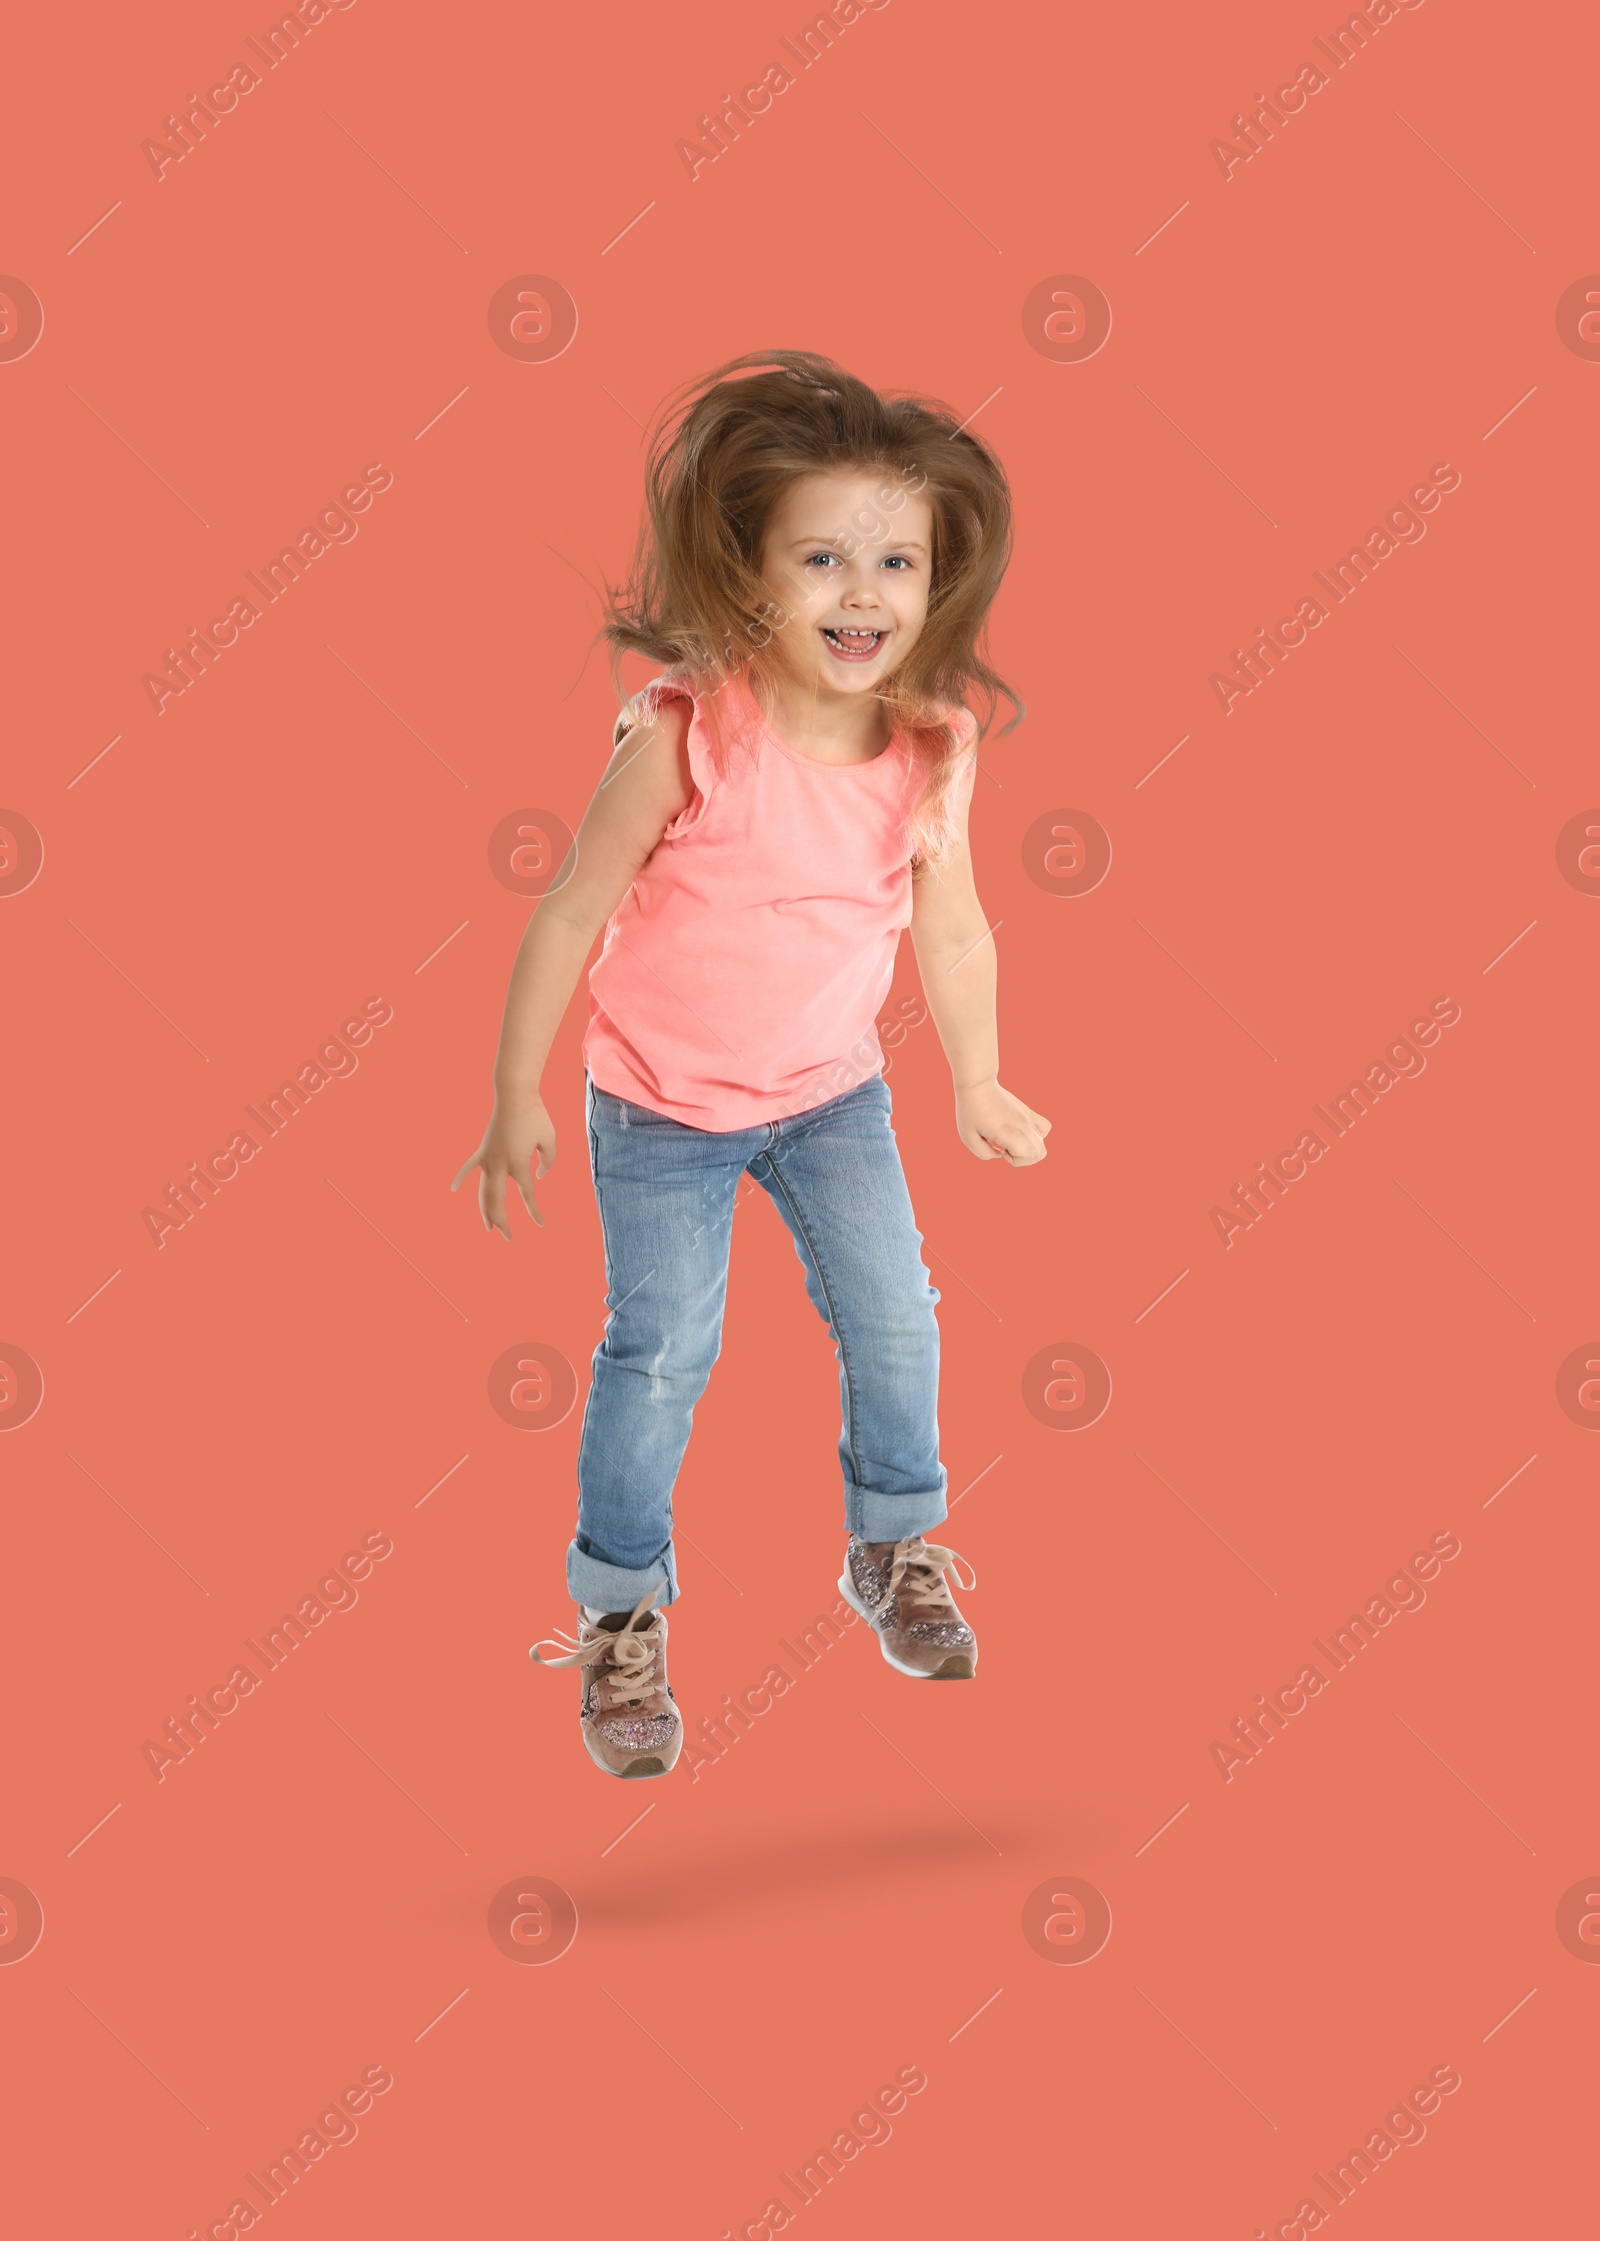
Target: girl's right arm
x=645 y=786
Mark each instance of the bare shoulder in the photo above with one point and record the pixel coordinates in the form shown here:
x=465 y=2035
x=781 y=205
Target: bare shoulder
x=650 y=757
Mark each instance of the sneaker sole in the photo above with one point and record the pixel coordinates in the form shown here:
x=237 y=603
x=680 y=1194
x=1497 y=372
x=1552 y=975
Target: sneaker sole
x=961 y=1667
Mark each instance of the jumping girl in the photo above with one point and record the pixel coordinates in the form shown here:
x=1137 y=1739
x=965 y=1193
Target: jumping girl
x=787 y=796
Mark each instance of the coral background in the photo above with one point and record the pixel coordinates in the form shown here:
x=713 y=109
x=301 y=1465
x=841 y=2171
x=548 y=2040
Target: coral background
x=870 y=1880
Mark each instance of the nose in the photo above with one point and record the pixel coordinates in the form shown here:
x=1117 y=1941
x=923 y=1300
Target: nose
x=861 y=594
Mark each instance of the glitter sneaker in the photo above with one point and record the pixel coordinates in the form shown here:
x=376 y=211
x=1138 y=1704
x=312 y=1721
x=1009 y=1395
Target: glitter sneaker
x=899 y=1589
x=631 y=1722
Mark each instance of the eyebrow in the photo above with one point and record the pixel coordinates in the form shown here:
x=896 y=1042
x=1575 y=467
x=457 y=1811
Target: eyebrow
x=891 y=544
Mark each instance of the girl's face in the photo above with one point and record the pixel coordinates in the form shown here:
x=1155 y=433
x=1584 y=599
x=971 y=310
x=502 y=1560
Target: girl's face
x=849 y=559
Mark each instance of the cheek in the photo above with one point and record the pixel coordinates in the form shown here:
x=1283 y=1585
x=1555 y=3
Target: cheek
x=798 y=588
x=908 y=596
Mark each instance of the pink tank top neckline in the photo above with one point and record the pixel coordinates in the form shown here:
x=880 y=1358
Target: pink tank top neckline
x=742 y=973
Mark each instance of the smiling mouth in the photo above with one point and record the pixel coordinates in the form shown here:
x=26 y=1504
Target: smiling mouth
x=854 y=645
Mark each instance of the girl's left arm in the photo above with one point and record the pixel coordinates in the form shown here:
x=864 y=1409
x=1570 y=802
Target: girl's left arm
x=956 y=958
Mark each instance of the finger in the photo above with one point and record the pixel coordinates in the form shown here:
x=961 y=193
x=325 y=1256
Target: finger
x=980 y=1147
x=530 y=1201
x=466 y=1171
x=492 y=1201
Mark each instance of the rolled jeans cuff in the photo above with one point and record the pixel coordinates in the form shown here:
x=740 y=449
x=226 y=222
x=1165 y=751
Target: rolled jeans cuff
x=893 y=1517
x=610 y=1587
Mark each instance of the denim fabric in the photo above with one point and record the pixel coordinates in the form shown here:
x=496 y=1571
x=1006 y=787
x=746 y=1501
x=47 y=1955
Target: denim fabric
x=666 y=1196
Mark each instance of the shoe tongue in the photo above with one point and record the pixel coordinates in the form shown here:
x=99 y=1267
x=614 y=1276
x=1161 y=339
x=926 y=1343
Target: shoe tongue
x=612 y=1622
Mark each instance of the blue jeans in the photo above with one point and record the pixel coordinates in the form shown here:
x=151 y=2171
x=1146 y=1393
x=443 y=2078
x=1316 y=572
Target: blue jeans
x=666 y=1195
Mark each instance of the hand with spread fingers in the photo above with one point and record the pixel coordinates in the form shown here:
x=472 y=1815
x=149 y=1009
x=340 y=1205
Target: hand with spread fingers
x=519 y=1143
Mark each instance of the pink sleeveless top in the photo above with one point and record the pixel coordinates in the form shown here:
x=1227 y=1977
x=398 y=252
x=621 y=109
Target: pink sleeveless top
x=743 y=971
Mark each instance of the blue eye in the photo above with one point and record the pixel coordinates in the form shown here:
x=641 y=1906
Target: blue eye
x=816 y=556
x=896 y=560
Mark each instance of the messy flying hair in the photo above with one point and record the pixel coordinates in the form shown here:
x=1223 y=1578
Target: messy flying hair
x=722 y=455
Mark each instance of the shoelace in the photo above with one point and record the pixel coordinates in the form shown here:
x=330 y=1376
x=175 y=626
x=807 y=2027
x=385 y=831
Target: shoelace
x=921 y=1566
x=633 y=1658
